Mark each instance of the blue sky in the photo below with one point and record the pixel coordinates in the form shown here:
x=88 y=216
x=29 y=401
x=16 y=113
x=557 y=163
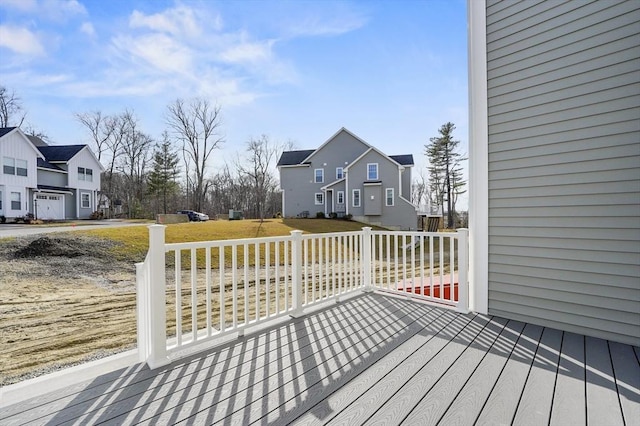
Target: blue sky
x=392 y=72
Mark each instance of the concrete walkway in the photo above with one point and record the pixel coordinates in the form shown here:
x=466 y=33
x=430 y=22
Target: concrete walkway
x=20 y=230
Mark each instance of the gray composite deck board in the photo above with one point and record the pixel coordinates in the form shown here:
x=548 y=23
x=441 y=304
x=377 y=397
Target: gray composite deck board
x=373 y=359
x=603 y=405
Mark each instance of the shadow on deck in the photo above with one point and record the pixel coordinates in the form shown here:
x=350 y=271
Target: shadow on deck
x=371 y=360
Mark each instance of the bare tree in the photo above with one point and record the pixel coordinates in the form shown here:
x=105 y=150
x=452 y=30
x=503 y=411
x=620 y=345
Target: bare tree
x=261 y=155
x=197 y=126
x=10 y=107
x=420 y=193
x=100 y=127
x=134 y=161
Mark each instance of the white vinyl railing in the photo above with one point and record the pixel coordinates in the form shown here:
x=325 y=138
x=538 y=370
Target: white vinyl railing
x=193 y=293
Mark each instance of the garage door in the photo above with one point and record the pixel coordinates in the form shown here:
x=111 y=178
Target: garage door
x=50 y=207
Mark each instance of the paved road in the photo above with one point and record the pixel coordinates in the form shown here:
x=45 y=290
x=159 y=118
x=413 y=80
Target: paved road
x=18 y=230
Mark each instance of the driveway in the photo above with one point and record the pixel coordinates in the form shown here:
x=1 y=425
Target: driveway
x=19 y=230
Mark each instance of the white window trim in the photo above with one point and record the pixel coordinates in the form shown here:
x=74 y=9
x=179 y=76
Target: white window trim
x=89 y=195
x=353 y=197
x=315 y=198
x=341 y=174
x=377 y=171
x=338 y=195
x=386 y=197
x=315 y=175
x=11 y=201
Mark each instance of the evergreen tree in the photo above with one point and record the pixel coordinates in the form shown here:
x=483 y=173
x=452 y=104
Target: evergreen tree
x=162 y=179
x=445 y=172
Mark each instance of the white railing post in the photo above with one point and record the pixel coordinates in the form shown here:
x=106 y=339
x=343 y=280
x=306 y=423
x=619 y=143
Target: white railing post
x=157 y=297
x=296 y=273
x=463 y=268
x=142 y=317
x=366 y=261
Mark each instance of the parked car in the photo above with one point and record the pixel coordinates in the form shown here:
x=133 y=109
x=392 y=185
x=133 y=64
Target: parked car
x=194 y=216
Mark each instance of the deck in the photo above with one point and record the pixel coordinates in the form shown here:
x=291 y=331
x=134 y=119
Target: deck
x=373 y=359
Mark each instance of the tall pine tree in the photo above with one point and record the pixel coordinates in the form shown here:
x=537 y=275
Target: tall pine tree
x=445 y=171
x=162 y=179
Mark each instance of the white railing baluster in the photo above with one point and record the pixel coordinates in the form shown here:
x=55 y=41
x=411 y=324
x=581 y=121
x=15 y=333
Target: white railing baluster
x=286 y=271
x=267 y=280
x=234 y=285
x=256 y=261
x=221 y=288
x=296 y=272
x=246 y=283
x=178 y=279
x=441 y=268
x=158 y=297
x=194 y=296
x=207 y=253
x=277 y=283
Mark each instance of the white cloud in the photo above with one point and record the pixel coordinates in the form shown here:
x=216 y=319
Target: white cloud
x=87 y=28
x=52 y=10
x=248 y=52
x=179 y=21
x=20 y=40
x=158 y=50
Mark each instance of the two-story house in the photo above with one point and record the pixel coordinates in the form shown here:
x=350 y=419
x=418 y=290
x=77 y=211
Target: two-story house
x=347 y=176
x=51 y=182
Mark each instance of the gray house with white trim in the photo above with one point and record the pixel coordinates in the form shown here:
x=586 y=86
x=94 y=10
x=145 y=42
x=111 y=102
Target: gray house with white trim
x=347 y=176
x=555 y=164
x=53 y=182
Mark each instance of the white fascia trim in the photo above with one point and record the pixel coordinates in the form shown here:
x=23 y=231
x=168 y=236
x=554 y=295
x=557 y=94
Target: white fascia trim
x=52 y=170
x=288 y=166
x=478 y=158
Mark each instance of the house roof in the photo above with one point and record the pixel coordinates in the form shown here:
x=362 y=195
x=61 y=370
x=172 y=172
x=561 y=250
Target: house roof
x=405 y=159
x=5 y=130
x=44 y=164
x=37 y=141
x=62 y=153
x=290 y=158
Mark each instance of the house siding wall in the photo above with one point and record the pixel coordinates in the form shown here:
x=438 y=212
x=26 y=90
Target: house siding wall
x=564 y=165
x=46 y=177
x=14 y=145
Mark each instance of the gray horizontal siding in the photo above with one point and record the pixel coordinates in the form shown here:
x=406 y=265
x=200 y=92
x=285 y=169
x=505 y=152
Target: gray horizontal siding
x=564 y=165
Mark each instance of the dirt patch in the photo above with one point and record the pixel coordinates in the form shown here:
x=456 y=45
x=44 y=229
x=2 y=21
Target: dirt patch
x=64 y=300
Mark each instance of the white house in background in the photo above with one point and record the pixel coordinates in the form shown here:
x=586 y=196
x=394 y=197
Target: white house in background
x=53 y=182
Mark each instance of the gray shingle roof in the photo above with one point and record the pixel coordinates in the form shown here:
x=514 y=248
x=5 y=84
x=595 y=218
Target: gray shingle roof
x=60 y=152
x=405 y=160
x=290 y=158
x=5 y=130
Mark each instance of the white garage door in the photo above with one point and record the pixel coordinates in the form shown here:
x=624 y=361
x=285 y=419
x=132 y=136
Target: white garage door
x=50 y=207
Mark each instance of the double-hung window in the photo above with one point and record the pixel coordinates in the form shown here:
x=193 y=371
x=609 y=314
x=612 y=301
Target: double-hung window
x=85 y=200
x=340 y=197
x=355 y=196
x=319 y=176
x=85 y=174
x=16 y=202
x=372 y=171
x=339 y=173
x=389 y=196
x=319 y=198
x=13 y=166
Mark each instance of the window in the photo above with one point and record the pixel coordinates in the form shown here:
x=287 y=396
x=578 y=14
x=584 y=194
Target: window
x=339 y=172
x=85 y=174
x=21 y=167
x=9 y=166
x=319 y=198
x=16 y=204
x=319 y=176
x=389 y=196
x=356 y=198
x=372 y=171
x=85 y=200
x=340 y=197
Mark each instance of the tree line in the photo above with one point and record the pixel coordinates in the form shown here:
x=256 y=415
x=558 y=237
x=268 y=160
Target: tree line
x=144 y=176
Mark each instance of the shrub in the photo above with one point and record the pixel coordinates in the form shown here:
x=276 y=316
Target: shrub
x=320 y=215
x=333 y=215
x=348 y=217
